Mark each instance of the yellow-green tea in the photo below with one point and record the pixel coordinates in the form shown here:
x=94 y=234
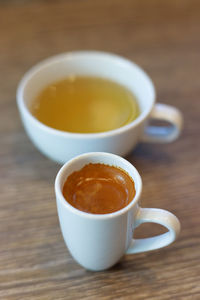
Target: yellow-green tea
x=85 y=105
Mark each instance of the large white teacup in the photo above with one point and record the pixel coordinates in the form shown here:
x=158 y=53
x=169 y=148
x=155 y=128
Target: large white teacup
x=62 y=146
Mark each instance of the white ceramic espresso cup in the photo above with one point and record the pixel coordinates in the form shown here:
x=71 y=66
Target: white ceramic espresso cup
x=97 y=242
x=62 y=146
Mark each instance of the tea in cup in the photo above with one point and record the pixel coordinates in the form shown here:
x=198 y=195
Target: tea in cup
x=113 y=119
x=97 y=198
x=85 y=105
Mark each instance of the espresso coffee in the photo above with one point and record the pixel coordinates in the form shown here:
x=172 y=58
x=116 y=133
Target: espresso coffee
x=99 y=189
x=85 y=105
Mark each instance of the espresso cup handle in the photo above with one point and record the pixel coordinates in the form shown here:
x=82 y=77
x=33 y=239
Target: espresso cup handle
x=164 y=134
x=159 y=216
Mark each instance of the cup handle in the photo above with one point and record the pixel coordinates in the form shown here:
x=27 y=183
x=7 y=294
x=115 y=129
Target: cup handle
x=164 y=134
x=159 y=216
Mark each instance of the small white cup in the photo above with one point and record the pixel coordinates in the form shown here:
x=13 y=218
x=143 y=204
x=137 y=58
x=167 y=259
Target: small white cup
x=62 y=146
x=97 y=242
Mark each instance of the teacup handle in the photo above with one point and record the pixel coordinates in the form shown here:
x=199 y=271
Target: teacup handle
x=159 y=216
x=164 y=134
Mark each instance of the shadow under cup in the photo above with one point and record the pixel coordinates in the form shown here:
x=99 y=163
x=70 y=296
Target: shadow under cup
x=61 y=146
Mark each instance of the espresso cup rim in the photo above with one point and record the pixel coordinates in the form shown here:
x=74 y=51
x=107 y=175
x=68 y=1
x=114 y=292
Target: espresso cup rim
x=40 y=65
x=61 y=174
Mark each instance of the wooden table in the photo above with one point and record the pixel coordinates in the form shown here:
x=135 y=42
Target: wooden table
x=162 y=37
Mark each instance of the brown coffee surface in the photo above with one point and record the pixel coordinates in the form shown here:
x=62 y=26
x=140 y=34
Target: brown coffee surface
x=99 y=189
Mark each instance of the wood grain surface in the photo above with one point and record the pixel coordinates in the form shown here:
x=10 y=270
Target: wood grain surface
x=162 y=37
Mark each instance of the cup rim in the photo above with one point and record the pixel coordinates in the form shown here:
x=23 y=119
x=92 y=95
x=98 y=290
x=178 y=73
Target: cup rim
x=61 y=174
x=66 y=55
